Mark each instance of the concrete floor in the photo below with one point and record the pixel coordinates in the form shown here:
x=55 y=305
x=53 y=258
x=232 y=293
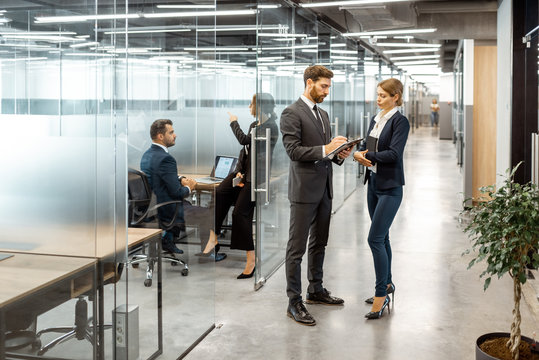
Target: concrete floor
x=440 y=307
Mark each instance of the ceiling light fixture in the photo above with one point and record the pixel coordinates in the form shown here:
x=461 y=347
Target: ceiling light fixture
x=200 y=13
x=419 y=62
x=275 y=6
x=36 y=33
x=418 y=57
x=163 y=6
x=84 y=18
x=353 y=52
x=89 y=54
x=409 y=45
x=282 y=35
x=216 y=48
x=242 y=28
x=25 y=59
x=404 y=51
x=147 y=31
x=268 y=58
x=347 y=3
x=391 y=32
x=84 y=44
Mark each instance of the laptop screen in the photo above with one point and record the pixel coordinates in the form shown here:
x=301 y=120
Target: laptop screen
x=224 y=166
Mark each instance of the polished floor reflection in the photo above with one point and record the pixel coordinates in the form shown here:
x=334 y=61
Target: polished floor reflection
x=440 y=307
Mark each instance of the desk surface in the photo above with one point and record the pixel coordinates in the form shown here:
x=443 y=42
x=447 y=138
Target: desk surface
x=87 y=250
x=200 y=186
x=23 y=274
x=136 y=236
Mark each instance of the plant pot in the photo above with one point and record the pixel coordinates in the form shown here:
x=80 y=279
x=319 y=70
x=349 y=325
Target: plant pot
x=481 y=355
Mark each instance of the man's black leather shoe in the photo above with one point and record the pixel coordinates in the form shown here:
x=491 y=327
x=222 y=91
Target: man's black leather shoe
x=323 y=297
x=299 y=313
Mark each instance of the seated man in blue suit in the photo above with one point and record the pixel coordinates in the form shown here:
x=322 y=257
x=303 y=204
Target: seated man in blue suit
x=162 y=172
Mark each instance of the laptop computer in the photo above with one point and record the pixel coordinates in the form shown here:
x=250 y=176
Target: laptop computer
x=224 y=165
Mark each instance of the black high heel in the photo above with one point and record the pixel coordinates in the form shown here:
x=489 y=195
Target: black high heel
x=246 y=276
x=371 y=315
x=390 y=290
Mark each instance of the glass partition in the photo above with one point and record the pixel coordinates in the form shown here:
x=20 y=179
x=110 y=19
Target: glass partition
x=287 y=44
x=174 y=72
x=65 y=200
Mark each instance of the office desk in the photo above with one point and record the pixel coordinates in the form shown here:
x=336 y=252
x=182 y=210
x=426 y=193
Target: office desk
x=30 y=276
x=27 y=274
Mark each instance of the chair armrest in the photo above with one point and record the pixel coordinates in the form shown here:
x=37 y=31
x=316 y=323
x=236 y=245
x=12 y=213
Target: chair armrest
x=168 y=225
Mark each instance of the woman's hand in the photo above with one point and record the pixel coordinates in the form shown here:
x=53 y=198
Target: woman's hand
x=232 y=118
x=240 y=175
x=359 y=156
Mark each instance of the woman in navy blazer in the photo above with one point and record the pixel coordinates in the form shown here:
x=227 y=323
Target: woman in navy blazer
x=382 y=155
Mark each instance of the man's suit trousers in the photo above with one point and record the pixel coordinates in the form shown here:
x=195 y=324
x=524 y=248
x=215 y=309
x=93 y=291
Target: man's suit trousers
x=308 y=222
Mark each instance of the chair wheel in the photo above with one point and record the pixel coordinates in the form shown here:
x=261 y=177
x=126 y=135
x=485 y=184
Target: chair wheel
x=148 y=282
x=135 y=265
x=173 y=263
x=185 y=272
x=36 y=344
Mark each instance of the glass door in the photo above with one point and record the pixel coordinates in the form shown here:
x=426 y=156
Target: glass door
x=287 y=43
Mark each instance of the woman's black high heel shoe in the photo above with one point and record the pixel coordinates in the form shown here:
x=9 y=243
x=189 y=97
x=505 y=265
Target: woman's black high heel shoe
x=371 y=315
x=246 y=276
x=390 y=290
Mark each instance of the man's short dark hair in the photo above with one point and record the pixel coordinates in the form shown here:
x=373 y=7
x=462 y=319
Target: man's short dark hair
x=316 y=72
x=159 y=127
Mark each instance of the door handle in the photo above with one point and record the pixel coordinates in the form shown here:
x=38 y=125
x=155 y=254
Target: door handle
x=336 y=124
x=254 y=188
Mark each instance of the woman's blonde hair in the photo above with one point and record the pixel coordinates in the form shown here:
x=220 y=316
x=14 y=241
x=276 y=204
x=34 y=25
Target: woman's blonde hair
x=393 y=87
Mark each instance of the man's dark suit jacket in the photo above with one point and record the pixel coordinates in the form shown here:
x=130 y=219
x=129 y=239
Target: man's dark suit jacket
x=388 y=158
x=162 y=172
x=303 y=138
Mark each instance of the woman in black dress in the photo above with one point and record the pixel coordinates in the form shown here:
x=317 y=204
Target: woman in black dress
x=262 y=108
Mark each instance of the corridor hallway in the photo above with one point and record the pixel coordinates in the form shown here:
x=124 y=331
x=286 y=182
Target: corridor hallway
x=440 y=307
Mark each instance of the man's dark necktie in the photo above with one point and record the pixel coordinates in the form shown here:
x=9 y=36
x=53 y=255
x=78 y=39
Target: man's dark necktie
x=315 y=108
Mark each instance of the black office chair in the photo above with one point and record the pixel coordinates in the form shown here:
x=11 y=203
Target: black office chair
x=83 y=328
x=22 y=321
x=141 y=214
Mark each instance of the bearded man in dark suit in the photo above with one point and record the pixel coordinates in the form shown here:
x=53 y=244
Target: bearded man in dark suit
x=162 y=172
x=307 y=139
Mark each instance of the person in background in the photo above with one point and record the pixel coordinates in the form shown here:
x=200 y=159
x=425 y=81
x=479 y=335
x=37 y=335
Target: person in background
x=382 y=155
x=162 y=172
x=262 y=109
x=434 y=113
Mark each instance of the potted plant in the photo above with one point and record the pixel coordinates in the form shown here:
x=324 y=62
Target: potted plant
x=504 y=227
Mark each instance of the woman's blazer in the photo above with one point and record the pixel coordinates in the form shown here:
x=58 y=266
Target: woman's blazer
x=388 y=158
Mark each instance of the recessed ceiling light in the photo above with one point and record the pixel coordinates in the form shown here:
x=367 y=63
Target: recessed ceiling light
x=164 y=6
x=347 y=3
x=404 y=51
x=391 y=32
x=409 y=45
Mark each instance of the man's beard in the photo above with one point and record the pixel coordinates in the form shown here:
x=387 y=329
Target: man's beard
x=317 y=98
